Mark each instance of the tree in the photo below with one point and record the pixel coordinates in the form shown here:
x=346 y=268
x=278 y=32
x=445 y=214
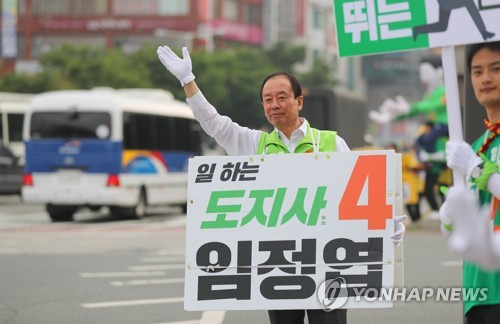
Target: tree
x=119 y=71
x=40 y=82
x=284 y=57
x=80 y=64
x=320 y=74
x=80 y=67
x=88 y=67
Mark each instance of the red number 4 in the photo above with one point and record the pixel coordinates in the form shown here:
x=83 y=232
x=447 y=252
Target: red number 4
x=371 y=168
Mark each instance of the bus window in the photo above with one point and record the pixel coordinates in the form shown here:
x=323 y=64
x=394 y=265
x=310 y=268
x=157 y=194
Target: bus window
x=137 y=131
x=164 y=138
x=15 y=126
x=149 y=132
x=1 y=127
x=182 y=128
x=81 y=124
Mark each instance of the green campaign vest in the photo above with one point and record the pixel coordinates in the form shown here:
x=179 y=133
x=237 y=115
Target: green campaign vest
x=272 y=144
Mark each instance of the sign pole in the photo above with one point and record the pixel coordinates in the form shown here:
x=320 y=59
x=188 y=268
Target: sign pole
x=452 y=103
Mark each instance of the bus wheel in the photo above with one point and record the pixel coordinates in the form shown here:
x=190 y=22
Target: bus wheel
x=95 y=209
x=139 y=210
x=61 y=213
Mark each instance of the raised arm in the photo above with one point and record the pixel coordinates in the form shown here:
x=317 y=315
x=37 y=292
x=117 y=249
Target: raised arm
x=235 y=139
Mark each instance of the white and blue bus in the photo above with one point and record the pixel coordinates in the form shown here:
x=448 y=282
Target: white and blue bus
x=122 y=149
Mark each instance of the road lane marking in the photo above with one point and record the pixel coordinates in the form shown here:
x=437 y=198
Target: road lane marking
x=146 y=282
x=209 y=317
x=9 y=251
x=122 y=274
x=451 y=263
x=212 y=317
x=162 y=259
x=88 y=228
x=169 y=252
x=157 y=267
x=182 y=322
x=138 y=302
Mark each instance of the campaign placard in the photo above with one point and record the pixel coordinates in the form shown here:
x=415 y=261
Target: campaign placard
x=377 y=26
x=279 y=231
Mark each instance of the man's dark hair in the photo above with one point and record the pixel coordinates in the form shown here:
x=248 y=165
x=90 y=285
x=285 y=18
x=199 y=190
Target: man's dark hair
x=473 y=49
x=433 y=60
x=296 y=87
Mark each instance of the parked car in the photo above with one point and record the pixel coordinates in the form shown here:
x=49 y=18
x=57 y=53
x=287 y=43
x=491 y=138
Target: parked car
x=11 y=172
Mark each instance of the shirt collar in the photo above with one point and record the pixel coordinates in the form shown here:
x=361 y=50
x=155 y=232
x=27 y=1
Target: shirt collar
x=298 y=133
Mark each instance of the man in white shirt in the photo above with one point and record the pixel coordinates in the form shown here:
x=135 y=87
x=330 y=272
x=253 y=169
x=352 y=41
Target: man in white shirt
x=282 y=100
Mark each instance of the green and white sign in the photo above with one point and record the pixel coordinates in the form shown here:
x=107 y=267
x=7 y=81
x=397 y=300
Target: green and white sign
x=377 y=26
x=263 y=236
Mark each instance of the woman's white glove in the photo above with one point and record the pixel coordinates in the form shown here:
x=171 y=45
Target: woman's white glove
x=472 y=236
x=399 y=229
x=181 y=68
x=402 y=106
x=461 y=157
x=446 y=219
x=380 y=117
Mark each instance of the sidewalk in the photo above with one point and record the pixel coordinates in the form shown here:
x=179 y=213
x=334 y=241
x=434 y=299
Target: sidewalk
x=425 y=224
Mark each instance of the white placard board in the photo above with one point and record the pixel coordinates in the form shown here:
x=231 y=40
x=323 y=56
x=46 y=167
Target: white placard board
x=265 y=232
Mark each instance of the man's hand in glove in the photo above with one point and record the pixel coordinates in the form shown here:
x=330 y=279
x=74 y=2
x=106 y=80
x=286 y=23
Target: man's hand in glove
x=181 y=68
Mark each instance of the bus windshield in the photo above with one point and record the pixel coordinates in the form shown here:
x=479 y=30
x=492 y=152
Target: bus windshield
x=70 y=124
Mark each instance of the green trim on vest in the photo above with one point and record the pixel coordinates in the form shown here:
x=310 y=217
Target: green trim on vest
x=272 y=144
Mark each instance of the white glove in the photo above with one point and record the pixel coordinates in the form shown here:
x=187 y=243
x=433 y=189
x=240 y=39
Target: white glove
x=437 y=156
x=423 y=156
x=181 y=68
x=389 y=109
x=446 y=219
x=461 y=157
x=401 y=106
x=380 y=117
x=472 y=235
x=399 y=230
x=388 y=106
x=384 y=113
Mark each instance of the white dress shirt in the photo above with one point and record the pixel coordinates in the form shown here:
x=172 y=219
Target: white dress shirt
x=239 y=140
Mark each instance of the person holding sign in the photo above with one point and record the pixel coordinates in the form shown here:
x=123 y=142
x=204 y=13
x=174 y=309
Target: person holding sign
x=474 y=228
x=282 y=101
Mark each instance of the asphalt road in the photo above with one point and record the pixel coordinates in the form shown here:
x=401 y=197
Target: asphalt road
x=104 y=270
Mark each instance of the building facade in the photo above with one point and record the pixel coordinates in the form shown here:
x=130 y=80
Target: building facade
x=34 y=27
